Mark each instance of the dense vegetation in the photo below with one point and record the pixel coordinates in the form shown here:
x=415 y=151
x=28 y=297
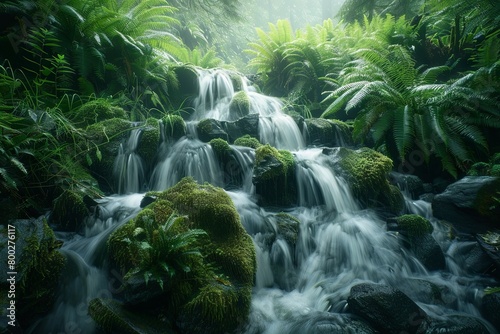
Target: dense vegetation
x=419 y=83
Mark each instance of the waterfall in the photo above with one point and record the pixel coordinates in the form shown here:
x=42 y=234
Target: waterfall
x=298 y=283
x=129 y=167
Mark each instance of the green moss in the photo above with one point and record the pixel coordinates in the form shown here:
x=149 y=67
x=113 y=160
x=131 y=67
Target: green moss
x=96 y=111
x=174 y=126
x=41 y=264
x=248 y=141
x=288 y=227
x=239 y=105
x=479 y=169
x=69 y=211
x=221 y=148
x=414 y=225
x=394 y=199
x=150 y=137
x=228 y=255
x=495 y=159
x=495 y=170
x=366 y=171
x=103 y=145
x=285 y=158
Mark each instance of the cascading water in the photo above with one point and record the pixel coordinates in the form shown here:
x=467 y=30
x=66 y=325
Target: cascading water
x=298 y=287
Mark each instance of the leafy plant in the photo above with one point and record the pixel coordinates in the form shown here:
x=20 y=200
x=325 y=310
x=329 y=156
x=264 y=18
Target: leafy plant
x=165 y=250
x=404 y=106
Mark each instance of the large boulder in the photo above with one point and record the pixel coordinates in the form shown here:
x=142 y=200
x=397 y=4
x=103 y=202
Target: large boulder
x=239 y=105
x=206 y=287
x=385 y=308
x=273 y=176
x=471 y=204
x=38 y=266
x=456 y=324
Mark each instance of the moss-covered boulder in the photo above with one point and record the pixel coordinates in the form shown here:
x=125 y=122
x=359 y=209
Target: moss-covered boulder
x=149 y=139
x=213 y=296
x=274 y=176
x=104 y=140
x=96 y=111
x=209 y=129
x=326 y=132
x=367 y=173
x=239 y=105
x=417 y=233
x=174 y=126
x=39 y=265
x=248 y=141
x=69 y=211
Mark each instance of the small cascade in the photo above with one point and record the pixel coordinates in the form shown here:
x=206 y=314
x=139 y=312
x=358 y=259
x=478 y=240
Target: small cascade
x=85 y=276
x=186 y=157
x=318 y=185
x=243 y=168
x=276 y=128
x=129 y=168
x=215 y=94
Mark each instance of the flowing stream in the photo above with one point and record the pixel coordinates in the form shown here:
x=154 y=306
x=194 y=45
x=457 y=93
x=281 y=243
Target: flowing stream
x=339 y=245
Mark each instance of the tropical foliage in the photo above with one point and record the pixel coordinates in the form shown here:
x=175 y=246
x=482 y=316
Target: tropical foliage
x=426 y=86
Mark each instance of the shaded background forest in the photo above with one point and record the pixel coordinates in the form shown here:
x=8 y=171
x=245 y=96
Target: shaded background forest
x=417 y=80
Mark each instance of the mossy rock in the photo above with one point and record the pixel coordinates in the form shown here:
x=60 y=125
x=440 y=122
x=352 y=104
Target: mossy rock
x=495 y=159
x=414 y=225
x=214 y=296
x=174 y=126
x=39 y=266
x=367 y=173
x=104 y=143
x=248 y=141
x=326 y=132
x=239 y=105
x=69 y=211
x=112 y=317
x=288 y=227
x=149 y=140
x=495 y=170
x=221 y=148
x=274 y=176
x=419 y=240
x=209 y=129
x=96 y=111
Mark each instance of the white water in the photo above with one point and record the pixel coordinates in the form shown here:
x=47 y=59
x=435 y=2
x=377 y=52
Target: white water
x=296 y=286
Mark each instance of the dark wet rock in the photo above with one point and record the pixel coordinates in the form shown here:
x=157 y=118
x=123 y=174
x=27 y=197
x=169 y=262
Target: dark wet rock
x=474 y=260
x=469 y=204
x=138 y=292
x=490 y=307
x=209 y=129
x=146 y=200
x=112 y=317
x=247 y=125
x=385 y=308
x=410 y=184
x=428 y=292
x=455 y=324
x=490 y=243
